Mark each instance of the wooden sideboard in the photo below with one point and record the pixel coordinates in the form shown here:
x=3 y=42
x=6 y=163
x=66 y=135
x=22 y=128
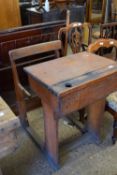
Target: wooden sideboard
x=36 y=15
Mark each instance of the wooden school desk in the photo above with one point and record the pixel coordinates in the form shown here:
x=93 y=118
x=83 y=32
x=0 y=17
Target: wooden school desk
x=68 y=84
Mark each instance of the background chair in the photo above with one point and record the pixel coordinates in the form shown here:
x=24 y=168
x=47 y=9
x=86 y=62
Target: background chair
x=27 y=56
x=111 y=105
x=75 y=36
x=108 y=30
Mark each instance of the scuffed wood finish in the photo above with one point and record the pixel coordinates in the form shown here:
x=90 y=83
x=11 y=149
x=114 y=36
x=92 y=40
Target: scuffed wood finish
x=95 y=121
x=51 y=131
x=71 y=83
x=51 y=50
x=17 y=38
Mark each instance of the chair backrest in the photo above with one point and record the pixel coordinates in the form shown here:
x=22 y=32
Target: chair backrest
x=74 y=35
x=101 y=44
x=108 y=30
x=31 y=55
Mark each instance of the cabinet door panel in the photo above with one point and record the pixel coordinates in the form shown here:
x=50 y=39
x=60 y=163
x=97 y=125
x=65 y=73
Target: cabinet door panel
x=9 y=14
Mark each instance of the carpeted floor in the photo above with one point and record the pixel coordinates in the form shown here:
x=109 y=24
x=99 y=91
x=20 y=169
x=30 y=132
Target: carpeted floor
x=80 y=156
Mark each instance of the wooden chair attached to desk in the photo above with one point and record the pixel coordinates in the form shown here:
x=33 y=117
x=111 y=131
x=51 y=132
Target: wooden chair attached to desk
x=75 y=81
x=27 y=56
x=17 y=38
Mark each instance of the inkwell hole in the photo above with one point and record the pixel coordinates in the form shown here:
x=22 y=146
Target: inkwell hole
x=68 y=85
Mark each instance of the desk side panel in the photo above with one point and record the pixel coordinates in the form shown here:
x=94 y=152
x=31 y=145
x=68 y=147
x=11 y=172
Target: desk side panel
x=87 y=95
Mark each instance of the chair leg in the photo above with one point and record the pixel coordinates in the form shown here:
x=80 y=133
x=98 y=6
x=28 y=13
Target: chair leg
x=114 y=137
x=23 y=114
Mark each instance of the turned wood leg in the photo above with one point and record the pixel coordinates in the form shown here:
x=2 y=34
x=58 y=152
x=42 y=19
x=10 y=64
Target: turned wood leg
x=51 y=133
x=95 y=117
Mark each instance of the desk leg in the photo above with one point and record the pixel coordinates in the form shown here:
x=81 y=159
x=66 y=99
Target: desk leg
x=95 y=117
x=51 y=133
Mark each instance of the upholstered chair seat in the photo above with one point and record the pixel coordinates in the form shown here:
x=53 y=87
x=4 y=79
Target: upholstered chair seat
x=112 y=101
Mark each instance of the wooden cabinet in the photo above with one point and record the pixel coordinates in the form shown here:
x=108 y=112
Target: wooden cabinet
x=9 y=14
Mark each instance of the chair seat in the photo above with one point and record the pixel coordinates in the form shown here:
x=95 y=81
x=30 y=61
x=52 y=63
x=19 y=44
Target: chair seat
x=112 y=101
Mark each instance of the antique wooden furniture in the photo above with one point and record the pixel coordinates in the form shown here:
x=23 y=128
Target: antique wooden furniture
x=16 y=38
x=112 y=98
x=38 y=16
x=70 y=83
x=23 y=11
x=63 y=3
x=34 y=53
x=76 y=35
x=9 y=124
x=9 y=14
x=95 y=11
x=108 y=30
